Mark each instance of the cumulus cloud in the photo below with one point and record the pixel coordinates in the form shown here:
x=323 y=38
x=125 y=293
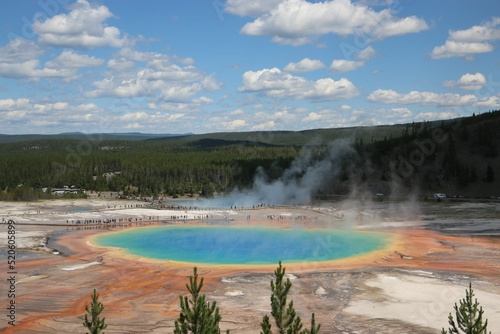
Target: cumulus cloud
x=31 y=70
x=18 y=51
x=69 y=59
x=400 y=113
x=468 y=81
x=59 y=115
x=148 y=119
x=83 y=27
x=312 y=117
x=427 y=116
x=366 y=54
x=430 y=98
x=119 y=64
x=305 y=65
x=343 y=65
x=19 y=59
x=159 y=77
x=203 y=100
x=492 y=102
x=469 y=42
x=485 y=33
x=56 y=106
x=274 y=83
x=460 y=49
x=415 y=97
x=298 y=22
x=250 y=8
x=266 y=126
x=11 y=104
x=233 y=124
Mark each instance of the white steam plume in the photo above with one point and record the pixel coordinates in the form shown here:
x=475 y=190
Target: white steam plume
x=297 y=185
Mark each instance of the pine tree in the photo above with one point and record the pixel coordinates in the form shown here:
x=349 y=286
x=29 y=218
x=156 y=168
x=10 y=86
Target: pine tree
x=197 y=316
x=469 y=317
x=286 y=319
x=94 y=325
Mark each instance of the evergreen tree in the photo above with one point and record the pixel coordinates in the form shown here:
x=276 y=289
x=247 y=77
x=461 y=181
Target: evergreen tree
x=286 y=319
x=197 y=316
x=94 y=325
x=469 y=317
x=490 y=174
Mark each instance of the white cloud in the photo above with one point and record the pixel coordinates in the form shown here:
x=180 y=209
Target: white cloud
x=345 y=65
x=342 y=65
x=83 y=27
x=14 y=115
x=19 y=59
x=401 y=113
x=30 y=69
x=148 y=120
x=56 y=106
x=10 y=104
x=305 y=65
x=250 y=8
x=485 y=33
x=133 y=126
x=274 y=83
x=120 y=64
x=234 y=124
x=264 y=126
x=416 y=97
x=298 y=22
x=237 y=112
x=469 y=42
x=492 y=102
x=367 y=53
x=203 y=100
x=160 y=78
x=429 y=116
x=312 y=117
x=88 y=107
x=19 y=51
x=40 y=116
x=468 y=81
x=460 y=49
x=69 y=59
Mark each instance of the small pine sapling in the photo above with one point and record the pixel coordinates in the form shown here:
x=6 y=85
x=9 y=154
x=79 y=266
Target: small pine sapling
x=95 y=325
x=285 y=317
x=469 y=317
x=197 y=316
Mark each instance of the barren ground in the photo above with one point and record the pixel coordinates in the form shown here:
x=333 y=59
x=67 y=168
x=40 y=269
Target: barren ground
x=410 y=287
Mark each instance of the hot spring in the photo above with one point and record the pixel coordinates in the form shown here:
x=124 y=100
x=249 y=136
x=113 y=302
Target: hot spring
x=243 y=245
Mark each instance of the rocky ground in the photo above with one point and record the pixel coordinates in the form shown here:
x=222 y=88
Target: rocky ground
x=409 y=288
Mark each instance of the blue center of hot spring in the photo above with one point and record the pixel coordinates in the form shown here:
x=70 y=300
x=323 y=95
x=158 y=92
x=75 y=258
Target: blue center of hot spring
x=243 y=245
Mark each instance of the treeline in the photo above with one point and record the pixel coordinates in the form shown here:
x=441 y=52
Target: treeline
x=456 y=152
x=428 y=154
x=136 y=168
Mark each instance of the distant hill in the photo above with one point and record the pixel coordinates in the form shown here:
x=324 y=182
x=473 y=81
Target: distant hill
x=296 y=138
x=132 y=136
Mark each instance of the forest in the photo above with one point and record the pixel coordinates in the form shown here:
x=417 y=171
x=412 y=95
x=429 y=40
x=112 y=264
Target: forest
x=458 y=153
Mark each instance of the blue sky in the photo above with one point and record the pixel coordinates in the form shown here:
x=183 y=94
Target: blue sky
x=182 y=66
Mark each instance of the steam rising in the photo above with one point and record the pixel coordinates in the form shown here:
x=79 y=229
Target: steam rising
x=298 y=184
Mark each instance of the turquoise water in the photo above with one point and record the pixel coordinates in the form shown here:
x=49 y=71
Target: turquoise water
x=242 y=245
